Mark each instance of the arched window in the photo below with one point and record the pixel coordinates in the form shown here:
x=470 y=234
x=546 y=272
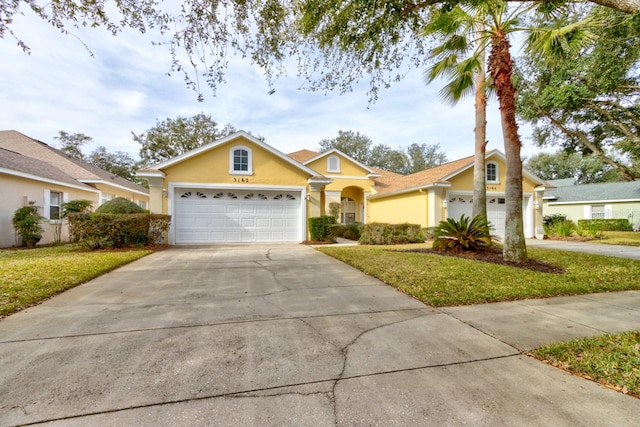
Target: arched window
x=492 y=173
x=333 y=164
x=240 y=161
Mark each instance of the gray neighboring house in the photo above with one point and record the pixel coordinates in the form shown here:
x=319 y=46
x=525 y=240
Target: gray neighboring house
x=591 y=201
x=33 y=172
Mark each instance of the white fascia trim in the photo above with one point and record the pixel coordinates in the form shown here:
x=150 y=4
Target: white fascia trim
x=229 y=138
x=47 y=180
x=346 y=156
x=499 y=154
x=410 y=190
x=151 y=174
x=111 y=184
x=320 y=180
x=224 y=185
x=362 y=178
x=591 y=202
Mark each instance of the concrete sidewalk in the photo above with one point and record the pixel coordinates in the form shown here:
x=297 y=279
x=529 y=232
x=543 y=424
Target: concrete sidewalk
x=284 y=335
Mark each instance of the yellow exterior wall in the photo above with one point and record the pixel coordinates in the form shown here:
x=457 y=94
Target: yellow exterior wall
x=464 y=180
x=409 y=207
x=212 y=167
x=14 y=192
x=347 y=167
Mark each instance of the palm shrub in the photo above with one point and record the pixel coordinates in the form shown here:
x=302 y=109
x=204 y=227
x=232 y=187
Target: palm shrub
x=465 y=234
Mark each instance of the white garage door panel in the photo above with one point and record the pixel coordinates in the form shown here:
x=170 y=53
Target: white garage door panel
x=458 y=205
x=219 y=216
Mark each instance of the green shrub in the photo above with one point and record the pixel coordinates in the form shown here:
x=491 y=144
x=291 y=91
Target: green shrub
x=119 y=205
x=378 y=233
x=563 y=228
x=614 y=224
x=72 y=207
x=351 y=231
x=465 y=234
x=550 y=221
x=26 y=222
x=320 y=228
x=119 y=230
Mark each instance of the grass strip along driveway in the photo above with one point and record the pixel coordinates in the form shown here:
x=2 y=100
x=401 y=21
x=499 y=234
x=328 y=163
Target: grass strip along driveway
x=445 y=280
x=29 y=276
x=613 y=360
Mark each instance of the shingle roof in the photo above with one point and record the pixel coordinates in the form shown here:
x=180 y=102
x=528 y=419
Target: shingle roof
x=303 y=155
x=613 y=191
x=76 y=169
x=28 y=165
x=400 y=182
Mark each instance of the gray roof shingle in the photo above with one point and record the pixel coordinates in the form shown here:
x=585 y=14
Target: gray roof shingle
x=605 y=191
x=76 y=169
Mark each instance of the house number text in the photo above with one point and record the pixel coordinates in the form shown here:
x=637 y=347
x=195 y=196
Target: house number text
x=240 y=179
x=491 y=187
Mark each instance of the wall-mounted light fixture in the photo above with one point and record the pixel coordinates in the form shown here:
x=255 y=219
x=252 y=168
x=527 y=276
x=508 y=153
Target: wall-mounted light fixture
x=444 y=203
x=165 y=194
x=308 y=197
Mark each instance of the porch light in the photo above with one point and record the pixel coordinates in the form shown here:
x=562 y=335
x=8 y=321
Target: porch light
x=164 y=193
x=308 y=197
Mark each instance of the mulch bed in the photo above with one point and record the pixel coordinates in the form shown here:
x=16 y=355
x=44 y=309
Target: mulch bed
x=494 y=256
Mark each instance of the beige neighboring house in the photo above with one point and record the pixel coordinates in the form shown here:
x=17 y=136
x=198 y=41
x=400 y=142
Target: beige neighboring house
x=33 y=172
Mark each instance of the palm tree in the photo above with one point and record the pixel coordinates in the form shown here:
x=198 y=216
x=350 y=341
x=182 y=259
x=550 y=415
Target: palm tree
x=464 y=76
x=491 y=22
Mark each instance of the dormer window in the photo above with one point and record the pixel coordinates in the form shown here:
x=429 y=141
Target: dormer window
x=240 y=161
x=492 y=173
x=333 y=164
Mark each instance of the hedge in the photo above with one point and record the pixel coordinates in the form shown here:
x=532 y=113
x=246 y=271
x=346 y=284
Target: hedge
x=615 y=224
x=96 y=231
x=320 y=228
x=378 y=233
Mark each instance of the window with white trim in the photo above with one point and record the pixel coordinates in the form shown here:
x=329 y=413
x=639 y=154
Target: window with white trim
x=333 y=164
x=105 y=197
x=240 y=161
x=55 y=202
x=142 y=204
x=597 y=212
x=492 y=173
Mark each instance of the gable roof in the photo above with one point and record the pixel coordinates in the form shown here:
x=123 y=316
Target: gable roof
x=78 y=170
x=152 y=170
x=436 y=176
x=16 y=164
x=303 y=155
x=336 y=151
x=599 y=192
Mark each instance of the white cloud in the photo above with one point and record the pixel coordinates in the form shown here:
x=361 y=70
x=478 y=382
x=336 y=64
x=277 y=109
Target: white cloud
x=124 y=88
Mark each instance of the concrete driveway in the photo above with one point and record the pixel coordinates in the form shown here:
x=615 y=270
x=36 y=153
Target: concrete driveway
x=273 y=335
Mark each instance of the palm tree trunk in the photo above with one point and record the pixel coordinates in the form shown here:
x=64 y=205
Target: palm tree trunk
x=501 y=67
x=480 y=130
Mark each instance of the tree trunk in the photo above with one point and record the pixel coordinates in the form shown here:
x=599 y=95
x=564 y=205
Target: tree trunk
x=501 y=67
x=480 y=130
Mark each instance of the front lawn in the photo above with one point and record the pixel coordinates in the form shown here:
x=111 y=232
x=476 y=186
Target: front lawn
x=30 y=276
x=613 y=360
x=626 y=238
x=444 y=280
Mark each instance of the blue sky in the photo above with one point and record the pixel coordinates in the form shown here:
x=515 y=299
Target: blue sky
x=124 y=88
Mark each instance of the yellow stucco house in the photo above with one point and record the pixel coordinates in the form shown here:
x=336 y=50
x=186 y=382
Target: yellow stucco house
x=240 y=189
x=33 y=172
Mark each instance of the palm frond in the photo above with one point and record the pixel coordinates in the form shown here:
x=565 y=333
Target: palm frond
x=559 y=41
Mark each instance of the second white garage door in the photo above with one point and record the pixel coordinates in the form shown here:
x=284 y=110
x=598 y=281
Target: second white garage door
x=237 y=216
x=458 y=205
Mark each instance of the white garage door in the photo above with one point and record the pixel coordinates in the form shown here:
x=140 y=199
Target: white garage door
x=235 y=216
x=458 y=205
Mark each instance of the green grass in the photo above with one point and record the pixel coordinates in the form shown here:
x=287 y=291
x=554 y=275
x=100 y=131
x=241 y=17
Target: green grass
x=626 y=238
x=28 y=277
x=613 y=360
x=444 y=281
